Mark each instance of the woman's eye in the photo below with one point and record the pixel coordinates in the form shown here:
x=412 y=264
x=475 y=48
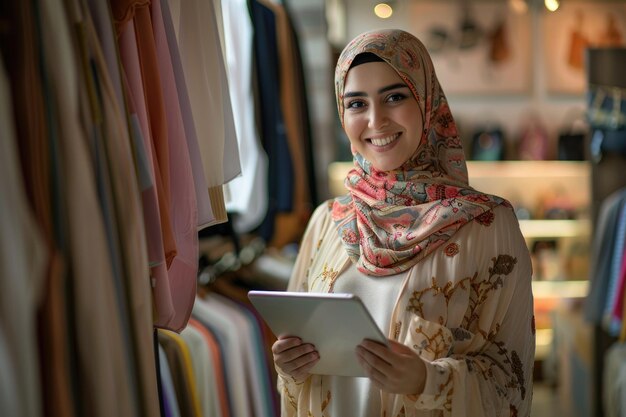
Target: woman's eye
x=396 y=97
x=355 y=104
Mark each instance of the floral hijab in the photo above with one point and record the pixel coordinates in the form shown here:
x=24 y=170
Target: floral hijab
x=390 y=220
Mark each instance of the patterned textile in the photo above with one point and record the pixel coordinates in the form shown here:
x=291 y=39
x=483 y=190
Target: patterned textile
x=389 y=221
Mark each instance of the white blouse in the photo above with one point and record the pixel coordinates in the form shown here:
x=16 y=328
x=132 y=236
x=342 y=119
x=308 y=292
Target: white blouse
x=357 y=396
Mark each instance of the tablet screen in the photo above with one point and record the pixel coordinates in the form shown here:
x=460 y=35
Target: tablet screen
x=334 y=323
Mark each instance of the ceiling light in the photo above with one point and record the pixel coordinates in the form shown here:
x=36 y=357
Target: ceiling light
x=551 y=5
x=383 y=10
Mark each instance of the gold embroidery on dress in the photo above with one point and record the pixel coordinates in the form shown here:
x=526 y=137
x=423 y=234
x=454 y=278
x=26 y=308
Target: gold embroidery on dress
x=416 y=305
x=502 y=265
x=290 y=398
x=328 y=277
x=326 y=401
x=435 y=343
x=396 y=330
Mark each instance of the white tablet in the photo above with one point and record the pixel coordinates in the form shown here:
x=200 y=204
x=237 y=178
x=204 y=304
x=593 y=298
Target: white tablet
x=334 y=323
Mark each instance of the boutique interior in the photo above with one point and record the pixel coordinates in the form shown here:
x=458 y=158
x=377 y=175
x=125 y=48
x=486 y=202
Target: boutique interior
x=162 y=158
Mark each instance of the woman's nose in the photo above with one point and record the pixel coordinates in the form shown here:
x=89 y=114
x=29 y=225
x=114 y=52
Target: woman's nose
x=378 y=118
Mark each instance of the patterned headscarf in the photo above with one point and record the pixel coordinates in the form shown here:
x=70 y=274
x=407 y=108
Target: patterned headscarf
x=390 y=220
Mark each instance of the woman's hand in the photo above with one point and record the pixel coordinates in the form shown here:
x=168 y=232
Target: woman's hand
x=294 y=358
x=395 y=368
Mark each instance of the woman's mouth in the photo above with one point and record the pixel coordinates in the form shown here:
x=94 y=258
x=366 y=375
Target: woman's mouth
x=384 y=141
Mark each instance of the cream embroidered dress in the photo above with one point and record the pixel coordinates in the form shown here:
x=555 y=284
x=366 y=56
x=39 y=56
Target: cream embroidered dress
x=466 y=309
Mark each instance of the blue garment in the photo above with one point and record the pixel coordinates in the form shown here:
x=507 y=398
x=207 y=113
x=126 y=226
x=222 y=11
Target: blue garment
x=602 y=252
x=614 y=324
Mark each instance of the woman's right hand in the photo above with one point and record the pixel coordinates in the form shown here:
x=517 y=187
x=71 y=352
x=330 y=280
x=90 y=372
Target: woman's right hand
x=294 y=358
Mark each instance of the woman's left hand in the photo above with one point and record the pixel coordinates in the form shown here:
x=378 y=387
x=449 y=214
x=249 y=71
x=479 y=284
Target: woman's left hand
x=395 y=368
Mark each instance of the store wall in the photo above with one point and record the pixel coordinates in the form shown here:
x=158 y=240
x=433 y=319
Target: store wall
x=509 y=107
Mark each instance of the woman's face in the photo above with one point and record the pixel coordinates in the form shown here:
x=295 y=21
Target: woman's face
x=381 y=117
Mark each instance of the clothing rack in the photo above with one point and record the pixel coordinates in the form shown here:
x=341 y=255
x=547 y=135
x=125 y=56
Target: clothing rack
x=606 y=67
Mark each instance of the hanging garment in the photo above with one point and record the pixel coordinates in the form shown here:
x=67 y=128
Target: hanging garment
x=253 y=355
x=195 y=25
x=618 y=308
x=159 y=233
x=232 y=344
x=23 y=266
x=613 y=324
x=205 y=213
x=167 y=386
x=203 y=371
x=141 y=73
x=614 y=381
x=39 y=168
x=217 y=383
x=290 y=226
x=128 y=218
x=601 y=254
x=273 y=133
x=105 y=386
x=183 y=270
x=247 y=194
x=181 y=367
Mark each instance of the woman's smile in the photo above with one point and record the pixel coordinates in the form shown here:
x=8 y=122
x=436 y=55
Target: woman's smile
x=384 y=143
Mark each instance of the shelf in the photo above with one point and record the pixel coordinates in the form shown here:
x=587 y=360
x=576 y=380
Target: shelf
x=560 y=289
x=533 y=229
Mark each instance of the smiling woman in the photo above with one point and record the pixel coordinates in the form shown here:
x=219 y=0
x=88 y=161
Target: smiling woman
x=443 y=268
x=381 y=117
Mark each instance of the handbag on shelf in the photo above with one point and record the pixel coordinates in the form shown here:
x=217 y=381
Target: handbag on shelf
x=533 y=143
x=488 y=144
x=572 y=137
